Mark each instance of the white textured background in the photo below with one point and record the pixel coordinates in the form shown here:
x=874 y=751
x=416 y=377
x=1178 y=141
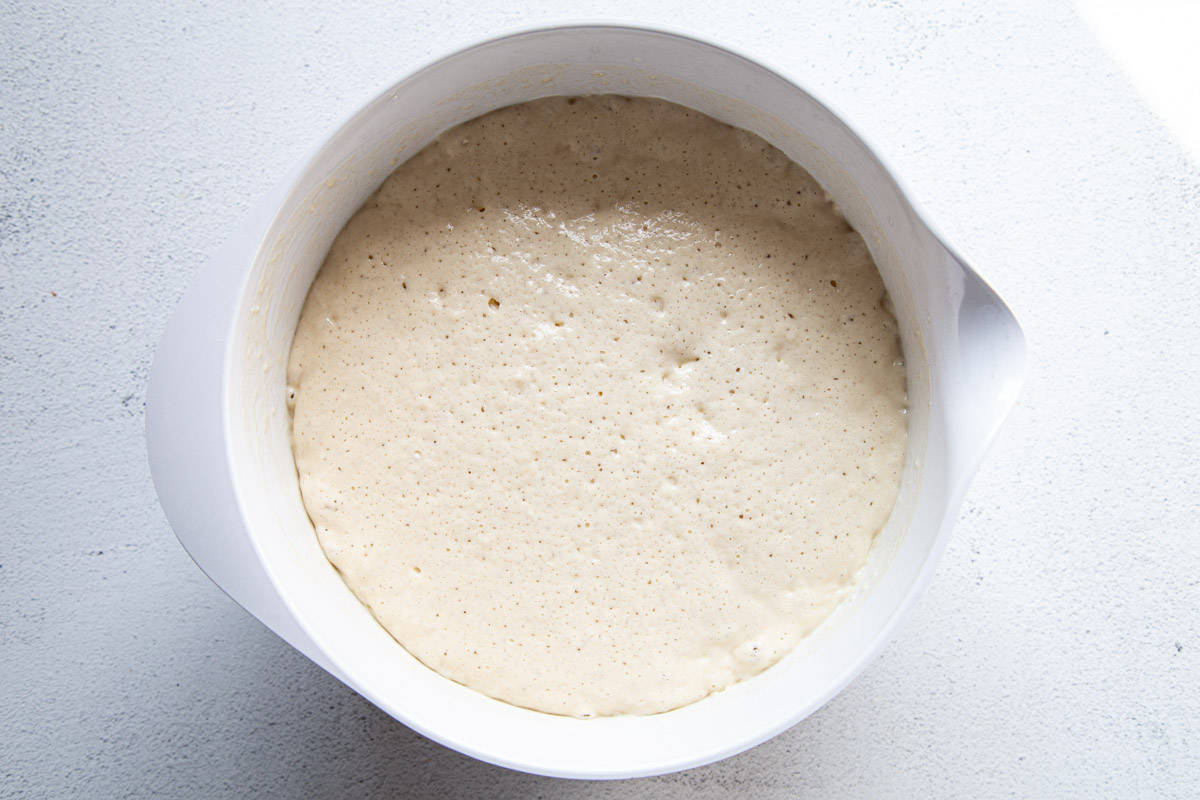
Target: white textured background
x=1056 y=653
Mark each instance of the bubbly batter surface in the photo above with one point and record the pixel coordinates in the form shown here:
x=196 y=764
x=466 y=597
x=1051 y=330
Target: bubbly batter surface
x=597 y=405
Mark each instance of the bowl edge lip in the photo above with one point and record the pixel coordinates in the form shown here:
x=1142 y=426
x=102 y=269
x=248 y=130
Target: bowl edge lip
x=279 y=196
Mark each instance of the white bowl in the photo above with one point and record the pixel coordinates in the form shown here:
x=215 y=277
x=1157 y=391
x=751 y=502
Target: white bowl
x=217 y=429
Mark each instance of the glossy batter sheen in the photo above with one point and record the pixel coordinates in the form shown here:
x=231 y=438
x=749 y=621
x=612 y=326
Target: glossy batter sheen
x=598 y=405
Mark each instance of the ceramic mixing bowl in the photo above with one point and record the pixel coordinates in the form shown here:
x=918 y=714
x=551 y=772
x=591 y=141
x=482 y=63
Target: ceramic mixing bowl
x=217 y=420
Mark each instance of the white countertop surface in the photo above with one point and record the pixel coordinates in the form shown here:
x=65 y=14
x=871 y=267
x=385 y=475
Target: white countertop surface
x=1056 y=653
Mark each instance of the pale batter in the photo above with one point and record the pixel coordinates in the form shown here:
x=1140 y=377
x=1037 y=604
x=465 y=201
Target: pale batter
x=598 y=405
